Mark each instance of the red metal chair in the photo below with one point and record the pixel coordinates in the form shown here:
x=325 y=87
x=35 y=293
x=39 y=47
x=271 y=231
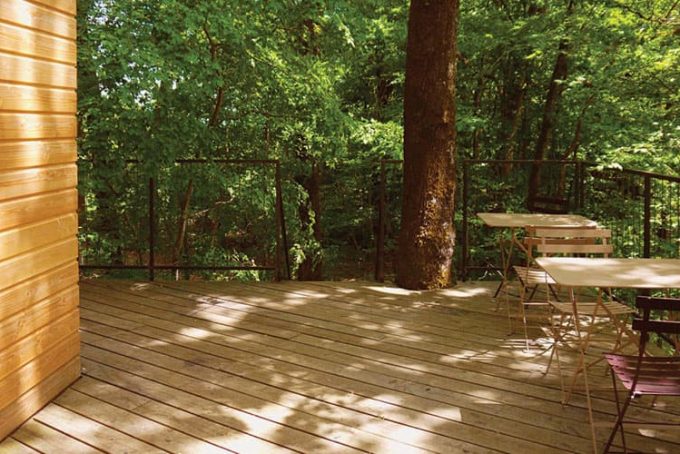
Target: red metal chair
x=643 y=375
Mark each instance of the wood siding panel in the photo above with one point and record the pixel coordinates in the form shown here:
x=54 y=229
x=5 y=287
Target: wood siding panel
x=66 y=6
x=14 y=68
x=39 y=296
x=25 y=266
x=23 y=239
x=37 y=99
x=40 y=341
x=26 y=405
x=32 y=209
x=23 y=296
x=30 y=15
x=38 y=180
x=24 y=323
x=20 y=155
x=14 y=126
x=18 y=40
x=23 y=379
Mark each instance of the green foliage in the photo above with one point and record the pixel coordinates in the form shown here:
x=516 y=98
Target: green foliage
x=320 y=83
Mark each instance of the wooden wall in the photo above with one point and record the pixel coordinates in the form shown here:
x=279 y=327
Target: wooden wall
x=39 y=342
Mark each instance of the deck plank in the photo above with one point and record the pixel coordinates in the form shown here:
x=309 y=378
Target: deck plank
x=426 y=390
x=311 y=367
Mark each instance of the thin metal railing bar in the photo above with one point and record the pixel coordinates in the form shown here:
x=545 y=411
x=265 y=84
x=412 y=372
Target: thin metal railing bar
x=179 y=267
x=151 y=266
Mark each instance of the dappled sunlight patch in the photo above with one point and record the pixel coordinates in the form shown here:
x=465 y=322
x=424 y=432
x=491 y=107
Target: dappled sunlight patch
x=195 y=333
x=487 y=397
x=385 y=378
x=140 y=286
x=392 y=290
x=345 y=291
x=465 y=292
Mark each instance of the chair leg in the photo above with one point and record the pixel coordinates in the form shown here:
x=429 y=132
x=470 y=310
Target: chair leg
x=618 y=411
x=506 y=298
x=589 y=402
x=618 y=426
x=533 y=292
x=522 y=311
x=552 y=290
x=554 y=336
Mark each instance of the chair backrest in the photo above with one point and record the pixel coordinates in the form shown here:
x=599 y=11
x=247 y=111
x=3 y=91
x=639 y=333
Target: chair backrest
x=549 y=241
x=646 y=325
x=580 y=241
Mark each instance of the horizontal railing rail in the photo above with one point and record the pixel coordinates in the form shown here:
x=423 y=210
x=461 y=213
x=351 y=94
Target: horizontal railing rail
x=282 y=261
x=648 y=224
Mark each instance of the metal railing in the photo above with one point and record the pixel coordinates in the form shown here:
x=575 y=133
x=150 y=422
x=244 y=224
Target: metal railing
x=282 y=260
x=642 y=208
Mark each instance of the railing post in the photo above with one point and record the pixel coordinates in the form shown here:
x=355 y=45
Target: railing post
x=380 y=246
x=582 y=186
x=577 y=186
x=152 y=228
x=464 y=252
x=281 y=234
x=647 y=236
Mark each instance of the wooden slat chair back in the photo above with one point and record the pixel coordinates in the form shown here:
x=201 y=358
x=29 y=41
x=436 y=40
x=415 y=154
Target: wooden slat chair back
x=549 y=241
x=642 y=374
x=573 y=241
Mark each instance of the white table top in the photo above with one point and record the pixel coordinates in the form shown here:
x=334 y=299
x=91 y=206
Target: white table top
x=612 y=273
x=519 y=220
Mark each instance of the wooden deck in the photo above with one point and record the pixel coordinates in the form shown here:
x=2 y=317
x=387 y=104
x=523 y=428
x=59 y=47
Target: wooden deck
x=198 y=367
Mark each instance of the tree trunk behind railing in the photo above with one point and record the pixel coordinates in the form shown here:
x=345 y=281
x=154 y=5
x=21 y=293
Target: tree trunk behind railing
x=426 y=242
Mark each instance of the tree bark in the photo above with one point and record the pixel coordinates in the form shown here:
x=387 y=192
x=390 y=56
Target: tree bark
x=426 y=241
x=311 y=268
x=552 y=99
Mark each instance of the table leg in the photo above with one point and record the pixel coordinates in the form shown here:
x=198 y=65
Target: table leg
x=582 y=366
x=506 y=259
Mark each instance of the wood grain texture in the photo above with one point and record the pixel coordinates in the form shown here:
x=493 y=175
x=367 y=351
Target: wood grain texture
x=40 y=368
x=319 y=367
x=37 y=99
x=37 y=316
x=15 y=68
x=66 y=6
x=30 y=15
x=13 y=446
x=46 y=439
x=18 y=40
x=27 y=210
x=24 y=350
x=22 y=408
x=15 y=126
x=25 y=266
x=19 y=240
x=21 y=155
x=39 y=295
x=37 y=180
x=40 y=287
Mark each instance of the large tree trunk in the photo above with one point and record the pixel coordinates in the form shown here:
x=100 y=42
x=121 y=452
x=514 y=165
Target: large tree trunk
x=552 y=100
x=427 y=234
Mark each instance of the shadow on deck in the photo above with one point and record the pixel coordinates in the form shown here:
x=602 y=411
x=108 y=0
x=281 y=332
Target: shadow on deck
x=313 y=367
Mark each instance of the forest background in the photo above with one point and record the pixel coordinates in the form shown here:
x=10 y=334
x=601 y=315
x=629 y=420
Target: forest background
x=318 y=85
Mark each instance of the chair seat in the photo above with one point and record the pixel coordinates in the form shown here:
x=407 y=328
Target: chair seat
x=588 y=308
x=658 y=375
x=532 y=276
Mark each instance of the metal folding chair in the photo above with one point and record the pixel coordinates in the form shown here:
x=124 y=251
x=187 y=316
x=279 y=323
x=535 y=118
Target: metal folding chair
x=643 y=375
x=544 y=241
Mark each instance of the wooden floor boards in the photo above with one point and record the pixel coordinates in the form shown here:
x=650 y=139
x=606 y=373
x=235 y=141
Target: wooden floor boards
x=200 y=367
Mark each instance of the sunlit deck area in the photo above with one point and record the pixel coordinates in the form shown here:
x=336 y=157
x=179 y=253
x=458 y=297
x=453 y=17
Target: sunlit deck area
x=313 y=367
